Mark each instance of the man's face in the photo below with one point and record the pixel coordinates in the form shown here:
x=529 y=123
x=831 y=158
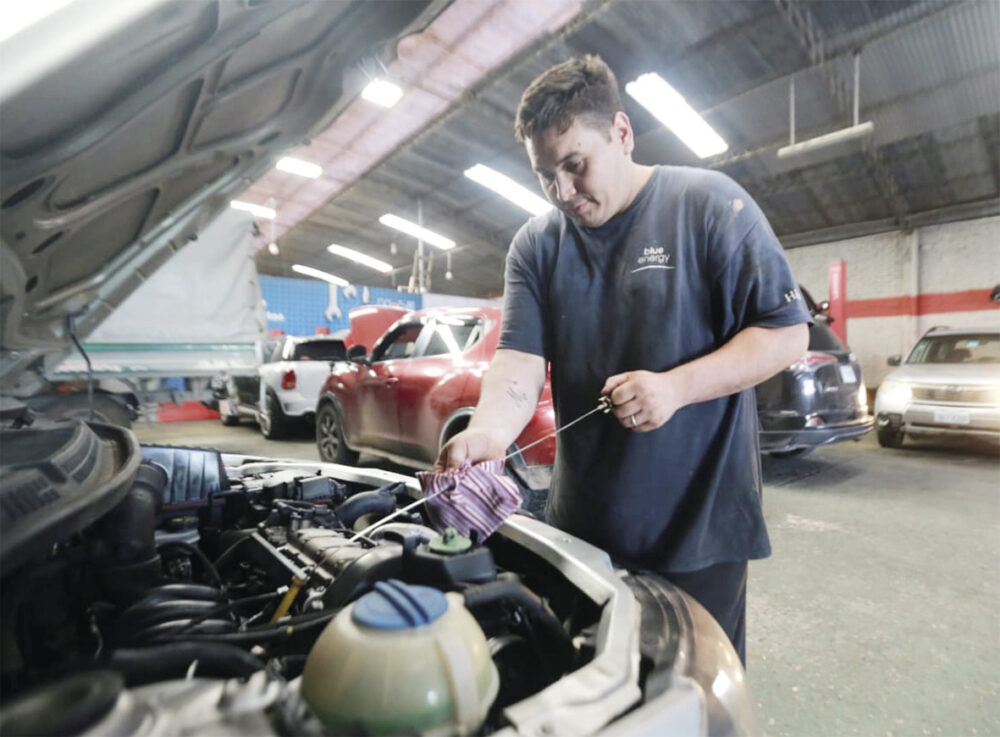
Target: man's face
x=585 y=171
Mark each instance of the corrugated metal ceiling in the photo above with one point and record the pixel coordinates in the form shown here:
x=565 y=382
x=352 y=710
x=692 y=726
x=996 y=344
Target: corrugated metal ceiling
x=930 y=80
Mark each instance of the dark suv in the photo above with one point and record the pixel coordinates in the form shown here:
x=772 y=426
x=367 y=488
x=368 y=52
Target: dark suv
x=818 y=400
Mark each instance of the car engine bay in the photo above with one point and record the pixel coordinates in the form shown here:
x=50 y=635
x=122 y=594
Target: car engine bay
x=169 y=590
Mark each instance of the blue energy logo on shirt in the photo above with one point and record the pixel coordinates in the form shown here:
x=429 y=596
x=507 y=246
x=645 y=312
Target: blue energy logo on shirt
x=653 y=257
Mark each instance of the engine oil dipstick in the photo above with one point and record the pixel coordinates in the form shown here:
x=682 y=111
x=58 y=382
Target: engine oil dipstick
x=286 y=602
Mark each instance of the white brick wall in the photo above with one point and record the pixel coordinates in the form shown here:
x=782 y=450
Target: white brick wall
x=953 y=257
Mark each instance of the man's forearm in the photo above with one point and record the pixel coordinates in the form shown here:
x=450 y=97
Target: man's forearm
x=509 y=394
x=750 y=357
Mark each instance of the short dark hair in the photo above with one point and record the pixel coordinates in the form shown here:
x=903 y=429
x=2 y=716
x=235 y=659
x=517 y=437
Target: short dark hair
x=579 y=88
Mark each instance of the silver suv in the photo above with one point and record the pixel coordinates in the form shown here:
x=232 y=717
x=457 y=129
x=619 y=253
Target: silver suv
x=948 y=385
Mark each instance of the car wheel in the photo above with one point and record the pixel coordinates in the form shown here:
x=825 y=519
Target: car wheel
x=794 y=453
x=889 y=438
x=273 y=422
x=330 y=437
x=76 y=407
x=229 y=420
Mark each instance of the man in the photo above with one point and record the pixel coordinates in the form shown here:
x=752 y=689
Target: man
x=665 y=289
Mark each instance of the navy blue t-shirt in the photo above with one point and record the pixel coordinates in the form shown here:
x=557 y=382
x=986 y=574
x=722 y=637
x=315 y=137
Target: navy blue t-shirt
x=690 y=263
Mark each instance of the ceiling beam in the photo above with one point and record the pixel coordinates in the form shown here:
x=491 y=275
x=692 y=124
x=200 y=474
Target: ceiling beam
x=810 y=36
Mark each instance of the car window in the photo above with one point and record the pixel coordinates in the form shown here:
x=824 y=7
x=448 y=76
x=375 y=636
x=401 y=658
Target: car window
x=400 y=344
x=319 y=350
x=962 y=348
x=451 y=338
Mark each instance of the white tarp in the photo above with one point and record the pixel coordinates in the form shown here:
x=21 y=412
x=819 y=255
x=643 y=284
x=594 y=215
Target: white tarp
x=207 y=293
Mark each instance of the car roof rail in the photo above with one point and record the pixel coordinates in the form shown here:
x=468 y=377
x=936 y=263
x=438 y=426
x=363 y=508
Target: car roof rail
x=937 y=327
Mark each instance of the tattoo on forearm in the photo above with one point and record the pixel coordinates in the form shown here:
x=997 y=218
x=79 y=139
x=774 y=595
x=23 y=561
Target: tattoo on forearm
x=517 y=395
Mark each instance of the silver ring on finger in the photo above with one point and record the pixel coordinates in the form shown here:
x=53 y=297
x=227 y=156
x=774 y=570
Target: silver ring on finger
x=631 y=419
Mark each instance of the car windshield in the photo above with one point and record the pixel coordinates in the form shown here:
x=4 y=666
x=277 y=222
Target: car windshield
x=961 y=348
x=320 y=350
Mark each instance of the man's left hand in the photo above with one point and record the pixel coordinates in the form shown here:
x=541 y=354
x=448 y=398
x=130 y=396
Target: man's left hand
x=643 y=400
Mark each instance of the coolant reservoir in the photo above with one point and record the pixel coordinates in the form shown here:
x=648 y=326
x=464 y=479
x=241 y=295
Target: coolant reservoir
x=402 y=659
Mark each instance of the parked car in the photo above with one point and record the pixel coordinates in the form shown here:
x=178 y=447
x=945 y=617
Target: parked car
x=418 y=388
x=284 y=391
x=818 y=400
x=152 y=590
x=948 y=385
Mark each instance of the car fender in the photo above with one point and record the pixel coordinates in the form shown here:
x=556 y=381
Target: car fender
x=455 y=423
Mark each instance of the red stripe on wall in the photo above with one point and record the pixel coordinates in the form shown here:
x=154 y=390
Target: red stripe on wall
x=971 y=300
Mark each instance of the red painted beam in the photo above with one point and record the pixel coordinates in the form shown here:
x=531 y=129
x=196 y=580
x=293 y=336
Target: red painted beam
x=970 y=300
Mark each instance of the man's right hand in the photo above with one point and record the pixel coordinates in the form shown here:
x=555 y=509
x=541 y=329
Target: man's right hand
x=469 y=445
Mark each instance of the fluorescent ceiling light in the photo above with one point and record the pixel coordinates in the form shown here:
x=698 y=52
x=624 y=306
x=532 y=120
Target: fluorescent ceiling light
x=358 y=257
x=439 y=241
x=300 y=167
x=382 y=92
x=259 y=210
x=317 y=274
x=507 y=187
x=653 y=93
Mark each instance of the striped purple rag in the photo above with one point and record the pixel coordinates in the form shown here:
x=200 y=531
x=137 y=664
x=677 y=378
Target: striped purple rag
x=470 y=498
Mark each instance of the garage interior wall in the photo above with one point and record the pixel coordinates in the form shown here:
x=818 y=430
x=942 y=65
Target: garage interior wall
x=901 y=284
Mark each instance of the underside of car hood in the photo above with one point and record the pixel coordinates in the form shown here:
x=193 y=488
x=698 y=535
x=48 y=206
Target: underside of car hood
x=128 y=126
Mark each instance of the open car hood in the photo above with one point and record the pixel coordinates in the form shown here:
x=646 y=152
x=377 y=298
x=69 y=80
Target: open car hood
x=128 y=126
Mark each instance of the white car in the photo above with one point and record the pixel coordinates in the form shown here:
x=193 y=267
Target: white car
x=948 y=385
x=285 y=390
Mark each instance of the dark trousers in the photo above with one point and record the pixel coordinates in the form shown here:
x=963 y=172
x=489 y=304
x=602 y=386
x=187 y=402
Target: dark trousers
x=722 y=590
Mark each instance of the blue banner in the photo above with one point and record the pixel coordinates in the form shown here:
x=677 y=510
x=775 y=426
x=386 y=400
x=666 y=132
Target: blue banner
x=300 y=306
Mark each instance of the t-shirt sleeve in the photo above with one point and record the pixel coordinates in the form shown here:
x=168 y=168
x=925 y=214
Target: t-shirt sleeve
x=523 y=326
x=754 y=285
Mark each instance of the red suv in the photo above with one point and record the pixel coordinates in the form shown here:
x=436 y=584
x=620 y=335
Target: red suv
x=417 y=389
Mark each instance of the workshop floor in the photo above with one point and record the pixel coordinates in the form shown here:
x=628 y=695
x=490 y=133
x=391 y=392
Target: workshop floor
x=879 y=612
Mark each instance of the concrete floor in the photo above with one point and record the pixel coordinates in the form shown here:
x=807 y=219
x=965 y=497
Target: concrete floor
x=879 y=612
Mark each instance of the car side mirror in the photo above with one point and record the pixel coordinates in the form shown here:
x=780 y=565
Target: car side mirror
x=894 y=360
x=357 y=354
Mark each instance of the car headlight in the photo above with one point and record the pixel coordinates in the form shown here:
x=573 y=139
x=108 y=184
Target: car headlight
x=863 y=397
x=894 y=392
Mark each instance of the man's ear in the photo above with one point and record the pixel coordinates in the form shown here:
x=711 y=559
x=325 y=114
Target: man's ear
x=621 y=131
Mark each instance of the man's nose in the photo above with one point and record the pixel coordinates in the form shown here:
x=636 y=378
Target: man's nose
x=565 y=188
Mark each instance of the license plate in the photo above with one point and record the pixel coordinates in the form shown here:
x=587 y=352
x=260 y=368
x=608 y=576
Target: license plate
x=847 y=374
x=951 y=417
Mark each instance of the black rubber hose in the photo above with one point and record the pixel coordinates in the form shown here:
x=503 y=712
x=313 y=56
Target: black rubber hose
x=367 y=502
x=270 y=632
x=543 y=624
x=146 y=615
x=144 y=665
x=172 y=591
x=169 y=631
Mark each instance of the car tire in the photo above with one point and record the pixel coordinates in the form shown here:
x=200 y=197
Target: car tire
x=229 y=420
x=76 y=407
x=889 y=438
x=273 y=423
x=794 y=453
x=330 y=437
